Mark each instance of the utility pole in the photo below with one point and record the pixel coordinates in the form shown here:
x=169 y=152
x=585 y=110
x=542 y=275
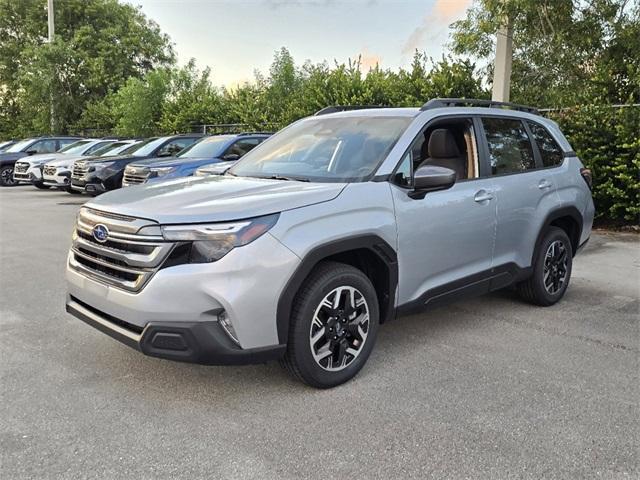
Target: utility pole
x=502 y=64
x=52 y=31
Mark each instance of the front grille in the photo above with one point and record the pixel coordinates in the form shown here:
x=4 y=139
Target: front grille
x=21 y=167
x=80 y=169
x=126 y=259
x=135 y=176
x=49 y=170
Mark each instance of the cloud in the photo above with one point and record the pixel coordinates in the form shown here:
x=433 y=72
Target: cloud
x=368 y=60
x=443 y=12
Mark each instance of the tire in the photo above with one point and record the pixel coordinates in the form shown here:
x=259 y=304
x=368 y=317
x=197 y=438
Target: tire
x=551 y=270
x=352 y=337
x=41 y=186
x=72 y=191
x=6 y=176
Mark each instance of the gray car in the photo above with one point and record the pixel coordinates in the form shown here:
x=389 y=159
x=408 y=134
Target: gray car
x=336 y=224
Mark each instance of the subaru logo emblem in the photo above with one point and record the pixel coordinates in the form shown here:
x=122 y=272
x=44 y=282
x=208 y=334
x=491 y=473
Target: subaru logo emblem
x=100 y=233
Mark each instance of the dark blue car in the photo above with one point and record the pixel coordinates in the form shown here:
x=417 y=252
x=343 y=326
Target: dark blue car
x=204 y=152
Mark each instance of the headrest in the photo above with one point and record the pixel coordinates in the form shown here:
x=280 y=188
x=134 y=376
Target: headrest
x=442 y=144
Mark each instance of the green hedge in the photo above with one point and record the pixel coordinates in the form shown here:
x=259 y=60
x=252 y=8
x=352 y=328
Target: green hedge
x=607 y=140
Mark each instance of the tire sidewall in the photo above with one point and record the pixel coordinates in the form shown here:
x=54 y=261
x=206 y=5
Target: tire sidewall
x=3 y=183
x=551 y=236
x=306 y=363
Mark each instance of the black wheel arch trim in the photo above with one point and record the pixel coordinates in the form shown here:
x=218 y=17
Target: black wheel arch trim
x=372 y=243
x=569 y=211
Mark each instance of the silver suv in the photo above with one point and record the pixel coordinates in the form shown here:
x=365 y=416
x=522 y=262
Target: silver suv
x=337 y=224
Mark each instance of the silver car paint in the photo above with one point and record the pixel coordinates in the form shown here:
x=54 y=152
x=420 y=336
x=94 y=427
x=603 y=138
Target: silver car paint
x=443 y=237
x=187 y=293
x=214 y=198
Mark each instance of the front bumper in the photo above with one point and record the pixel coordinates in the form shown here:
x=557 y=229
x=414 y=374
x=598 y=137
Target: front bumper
x=87 y=186
x=32 y=175
x=246 y=284
x=59 y=180
x=194 y=342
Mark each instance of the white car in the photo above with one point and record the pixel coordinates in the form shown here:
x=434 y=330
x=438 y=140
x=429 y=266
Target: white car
x=57 y=173
x=30 y=169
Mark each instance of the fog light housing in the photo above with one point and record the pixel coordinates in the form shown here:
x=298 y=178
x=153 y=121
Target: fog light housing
x=223 y=320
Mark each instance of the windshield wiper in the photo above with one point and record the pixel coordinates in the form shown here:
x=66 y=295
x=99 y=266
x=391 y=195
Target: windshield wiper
x=283 y=177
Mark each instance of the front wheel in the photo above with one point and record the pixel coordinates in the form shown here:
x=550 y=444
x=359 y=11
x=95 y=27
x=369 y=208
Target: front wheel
x=41 y=186
x=551 y=270
x=6 y=176
x=334 y=324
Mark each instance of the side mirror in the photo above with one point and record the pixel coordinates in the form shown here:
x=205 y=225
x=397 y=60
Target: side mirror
x=164 y=153
x=231 y=157
x=431 y=178
x=31 y=152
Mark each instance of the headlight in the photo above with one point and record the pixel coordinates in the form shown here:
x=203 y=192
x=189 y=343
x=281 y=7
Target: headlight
x=212 y=241
x=96 y=167
x=161 y=171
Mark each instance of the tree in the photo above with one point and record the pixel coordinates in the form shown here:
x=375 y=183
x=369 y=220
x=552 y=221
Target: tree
x=565 y=51
x=99 y=45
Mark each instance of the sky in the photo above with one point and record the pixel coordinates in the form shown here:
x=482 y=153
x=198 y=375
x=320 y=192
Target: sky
x=234 y=38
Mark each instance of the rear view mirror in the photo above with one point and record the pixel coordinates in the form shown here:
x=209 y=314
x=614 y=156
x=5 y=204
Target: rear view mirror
x=431 y=178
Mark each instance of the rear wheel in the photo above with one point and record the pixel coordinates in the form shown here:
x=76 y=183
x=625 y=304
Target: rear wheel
x=551 y=270
x=6 y=176
x=334 y=324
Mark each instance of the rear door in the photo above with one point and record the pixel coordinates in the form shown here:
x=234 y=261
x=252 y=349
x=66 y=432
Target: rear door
x=524 y=190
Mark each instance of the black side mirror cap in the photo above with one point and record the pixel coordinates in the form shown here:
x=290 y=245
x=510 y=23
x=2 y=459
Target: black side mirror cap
x=431 y=178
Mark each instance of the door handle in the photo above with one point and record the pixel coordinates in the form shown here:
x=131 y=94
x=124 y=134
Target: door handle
x=544 y=184
x=483 y=196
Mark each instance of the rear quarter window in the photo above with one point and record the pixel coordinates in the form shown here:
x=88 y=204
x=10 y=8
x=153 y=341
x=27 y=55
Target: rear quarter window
x=551 y=153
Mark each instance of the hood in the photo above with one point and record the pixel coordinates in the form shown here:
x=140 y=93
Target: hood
x=170 y=161
x=42 y=158
x=11 y=156
x=115 y=158
x=214 y=198
x=64 y=160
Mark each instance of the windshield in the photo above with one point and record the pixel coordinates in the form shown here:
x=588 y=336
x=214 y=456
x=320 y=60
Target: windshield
x=75 y=147
x=338 y=149
x=209 y=147
x=20 y=145
x=146 y=148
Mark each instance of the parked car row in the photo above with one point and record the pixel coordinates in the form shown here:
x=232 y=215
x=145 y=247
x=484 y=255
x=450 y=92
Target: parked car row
x=93 y=166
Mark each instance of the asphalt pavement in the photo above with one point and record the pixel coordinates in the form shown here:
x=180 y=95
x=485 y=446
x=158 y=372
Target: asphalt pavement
x=486 y=388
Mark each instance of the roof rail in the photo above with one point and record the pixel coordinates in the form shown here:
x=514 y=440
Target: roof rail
x=475 y=102
x=345 y=108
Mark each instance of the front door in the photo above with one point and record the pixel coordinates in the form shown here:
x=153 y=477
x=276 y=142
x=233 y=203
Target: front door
x=445 y=240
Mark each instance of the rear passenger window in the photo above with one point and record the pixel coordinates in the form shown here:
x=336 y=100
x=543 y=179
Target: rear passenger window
x=550 y=151
x=510 y=149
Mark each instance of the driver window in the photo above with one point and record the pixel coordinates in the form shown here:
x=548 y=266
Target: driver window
x=172 y=148
x=449 y=143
